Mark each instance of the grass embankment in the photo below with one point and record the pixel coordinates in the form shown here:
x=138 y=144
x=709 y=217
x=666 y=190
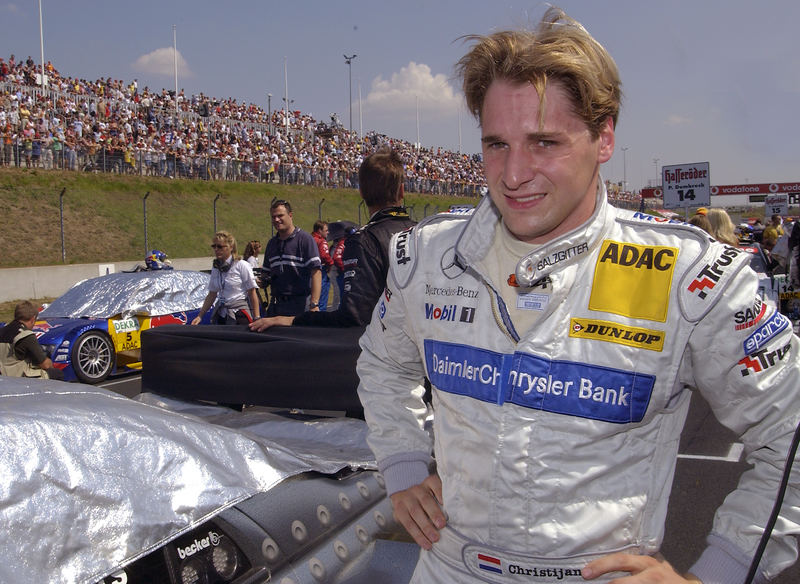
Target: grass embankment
x=103 y=215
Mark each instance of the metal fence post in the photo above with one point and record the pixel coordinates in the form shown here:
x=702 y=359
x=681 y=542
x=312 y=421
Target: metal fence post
x=61 y=212
x=215 y=211
x=144 y=205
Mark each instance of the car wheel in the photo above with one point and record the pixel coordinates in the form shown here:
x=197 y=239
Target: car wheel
x=92 y=357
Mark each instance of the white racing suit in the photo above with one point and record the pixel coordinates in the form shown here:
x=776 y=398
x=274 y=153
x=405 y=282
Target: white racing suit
x=558 y=444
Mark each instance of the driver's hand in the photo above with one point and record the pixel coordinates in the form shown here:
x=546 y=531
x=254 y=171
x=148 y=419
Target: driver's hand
x=419 y=510
x=643 y=570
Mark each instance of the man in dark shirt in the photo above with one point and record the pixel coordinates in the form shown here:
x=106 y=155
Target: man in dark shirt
x=365 y=256
x=21 y=355
x=291 y=265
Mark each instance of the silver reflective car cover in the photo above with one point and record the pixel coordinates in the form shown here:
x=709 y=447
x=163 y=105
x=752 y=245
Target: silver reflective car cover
x=327 y=445
x=91 y=480
x=127 y=293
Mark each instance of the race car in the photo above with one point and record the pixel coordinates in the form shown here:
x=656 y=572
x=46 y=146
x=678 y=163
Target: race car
x=96 y=487
x=94 y=329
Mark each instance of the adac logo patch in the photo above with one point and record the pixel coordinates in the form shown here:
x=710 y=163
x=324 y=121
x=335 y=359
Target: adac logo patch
x=711 y=273
x=763 y=360
x=612 y=332
x=633 y=280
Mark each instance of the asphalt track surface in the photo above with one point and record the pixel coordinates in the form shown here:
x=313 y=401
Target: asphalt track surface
x=709 y=465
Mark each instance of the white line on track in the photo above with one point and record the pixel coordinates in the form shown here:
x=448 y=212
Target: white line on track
x=110 y=383
x=734 y=454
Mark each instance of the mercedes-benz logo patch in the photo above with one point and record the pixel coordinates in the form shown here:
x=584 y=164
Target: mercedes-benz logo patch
x=449 y=266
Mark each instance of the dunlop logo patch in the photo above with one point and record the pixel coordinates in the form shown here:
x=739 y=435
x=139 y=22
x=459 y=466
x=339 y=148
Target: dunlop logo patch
x=633 y=280
x=612 y=332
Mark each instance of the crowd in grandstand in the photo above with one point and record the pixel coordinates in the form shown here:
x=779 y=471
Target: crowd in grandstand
x=112 y=126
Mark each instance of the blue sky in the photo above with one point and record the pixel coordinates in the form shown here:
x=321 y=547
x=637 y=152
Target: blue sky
x=715 y=81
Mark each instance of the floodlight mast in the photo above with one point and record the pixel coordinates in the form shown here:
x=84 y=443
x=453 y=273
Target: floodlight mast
x=349 y=61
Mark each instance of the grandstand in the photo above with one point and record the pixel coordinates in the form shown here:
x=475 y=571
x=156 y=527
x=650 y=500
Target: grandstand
x=111 y=126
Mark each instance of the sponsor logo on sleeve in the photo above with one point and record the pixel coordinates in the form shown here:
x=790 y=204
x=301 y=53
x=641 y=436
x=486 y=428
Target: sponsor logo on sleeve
x=612 y=332
x=750 y=316
x=401 y=252
x=765 y=333
x=562 y=387
x=653 y=219
x=763 y=360
x=633 y=280
x=711 y=273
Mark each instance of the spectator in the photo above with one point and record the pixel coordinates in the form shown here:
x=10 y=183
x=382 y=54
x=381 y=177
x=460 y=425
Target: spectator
x=772 y=232
x=338 y=264
x=21 y=355
x=320 y=235
x=232 y=283
x=722 y=228
x=291 y=265
x=251 y=251
x=758 y=231
x=366 y=252
x=702 y=222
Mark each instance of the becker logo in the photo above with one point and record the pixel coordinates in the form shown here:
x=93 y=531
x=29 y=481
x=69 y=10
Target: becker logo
x=400 y=248
x=763 y=359
x=198 y=545
x=637 y=256
x=448 y=312
x=711 y=273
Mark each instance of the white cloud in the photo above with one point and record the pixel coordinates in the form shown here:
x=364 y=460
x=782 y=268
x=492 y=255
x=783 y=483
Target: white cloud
x=677 y=120
x=10 y=7
x=400 y=92
x=161 y=62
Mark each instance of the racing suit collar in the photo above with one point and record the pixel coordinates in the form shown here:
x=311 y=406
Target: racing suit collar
x=474 y=242
x=394 y=211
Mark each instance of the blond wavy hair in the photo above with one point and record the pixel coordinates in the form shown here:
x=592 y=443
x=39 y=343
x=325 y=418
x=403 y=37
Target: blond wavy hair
x=722 y=227
x=559 y=49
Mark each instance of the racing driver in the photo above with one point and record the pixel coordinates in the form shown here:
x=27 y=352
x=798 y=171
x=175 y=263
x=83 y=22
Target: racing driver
x=563 y=338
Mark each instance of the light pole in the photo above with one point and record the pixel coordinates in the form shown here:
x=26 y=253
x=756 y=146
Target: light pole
x=625 y=169
x=655 y=161
x=269 y=113
x=349 y=61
